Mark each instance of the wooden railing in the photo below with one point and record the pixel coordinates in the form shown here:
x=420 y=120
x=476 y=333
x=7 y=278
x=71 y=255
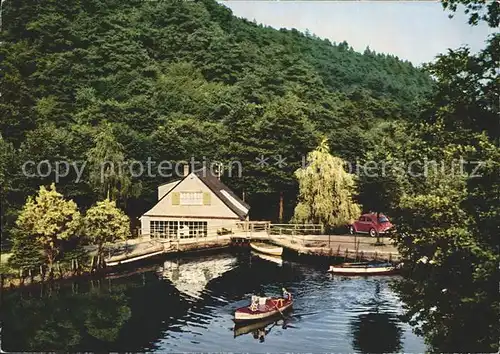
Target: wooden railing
x=296 y=229
x=253 y=226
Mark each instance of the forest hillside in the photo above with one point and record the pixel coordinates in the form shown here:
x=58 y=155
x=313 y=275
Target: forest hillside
x=171 y=80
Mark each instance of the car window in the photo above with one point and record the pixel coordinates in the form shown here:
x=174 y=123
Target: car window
x=383 y=219
x=362 y=218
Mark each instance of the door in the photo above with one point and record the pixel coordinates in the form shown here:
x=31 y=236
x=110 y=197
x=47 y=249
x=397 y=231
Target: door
x=371 y=223
x=361 y=225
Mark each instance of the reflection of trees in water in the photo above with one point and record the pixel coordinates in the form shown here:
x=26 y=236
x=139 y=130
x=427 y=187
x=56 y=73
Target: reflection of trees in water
x=376 y=333
x=61 y=319
x=106 y=315
x=132 y=313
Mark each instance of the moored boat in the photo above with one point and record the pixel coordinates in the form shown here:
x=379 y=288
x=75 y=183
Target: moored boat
x=266 y=248
x=364 y=268
x=262 y=308
x=275 y=259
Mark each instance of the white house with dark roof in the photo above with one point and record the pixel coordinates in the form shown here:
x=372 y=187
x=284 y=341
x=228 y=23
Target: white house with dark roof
x=197 y=205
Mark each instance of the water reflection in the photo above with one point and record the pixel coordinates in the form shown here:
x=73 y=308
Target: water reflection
x=188 y=305
x=191 y=277
x=376 y=330
x=376 y=333
x=274 y=259
x=61 y=318
x=260 y=329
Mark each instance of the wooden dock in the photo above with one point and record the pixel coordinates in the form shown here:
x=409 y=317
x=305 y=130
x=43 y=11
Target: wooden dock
x=146 y=247
x=309 y=240
x=293 y=238
x=341 y=246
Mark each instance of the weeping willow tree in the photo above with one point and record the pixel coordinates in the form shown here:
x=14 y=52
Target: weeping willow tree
x=110 y=174
x=325 y=190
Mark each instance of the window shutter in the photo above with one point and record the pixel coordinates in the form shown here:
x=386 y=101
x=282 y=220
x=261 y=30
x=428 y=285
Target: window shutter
x=176 y=198
x=206 y=198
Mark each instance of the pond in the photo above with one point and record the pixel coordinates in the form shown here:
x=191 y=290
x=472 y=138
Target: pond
x=187 y=305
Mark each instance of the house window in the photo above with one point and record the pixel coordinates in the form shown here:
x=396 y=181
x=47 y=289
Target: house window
x=193 y=229
x=191 y=198
x=164 y=229
x=181 y=229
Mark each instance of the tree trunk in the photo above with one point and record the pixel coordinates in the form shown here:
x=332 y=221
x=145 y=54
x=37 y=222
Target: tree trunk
x=281 y=208
x=51 y=266
x=99 y=253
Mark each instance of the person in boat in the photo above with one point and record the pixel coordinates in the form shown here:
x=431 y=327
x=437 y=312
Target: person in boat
x=286 y=294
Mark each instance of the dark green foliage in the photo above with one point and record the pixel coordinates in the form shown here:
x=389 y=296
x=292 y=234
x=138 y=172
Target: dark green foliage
x=26 y=254
x=177 y=80
x=477 y=10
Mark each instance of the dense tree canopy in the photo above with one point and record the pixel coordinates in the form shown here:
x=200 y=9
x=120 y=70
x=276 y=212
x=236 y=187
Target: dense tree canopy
x=173 y=80
x=105 y=223
x=48 y=220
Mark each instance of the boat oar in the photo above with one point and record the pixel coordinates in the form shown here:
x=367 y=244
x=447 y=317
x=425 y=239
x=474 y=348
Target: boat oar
x=277 y=308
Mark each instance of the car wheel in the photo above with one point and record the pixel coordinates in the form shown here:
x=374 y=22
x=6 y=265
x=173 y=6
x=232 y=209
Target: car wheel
x=351 y=230
x=373 y=233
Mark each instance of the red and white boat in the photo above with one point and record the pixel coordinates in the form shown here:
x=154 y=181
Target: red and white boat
x=364 y=268
x=262 y=307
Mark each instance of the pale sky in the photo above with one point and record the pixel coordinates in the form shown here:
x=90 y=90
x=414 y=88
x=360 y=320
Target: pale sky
x=413 y=30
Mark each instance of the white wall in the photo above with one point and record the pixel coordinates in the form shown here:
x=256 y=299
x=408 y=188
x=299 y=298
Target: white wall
x=165 y=188
x=217 y=214
x=191 y=184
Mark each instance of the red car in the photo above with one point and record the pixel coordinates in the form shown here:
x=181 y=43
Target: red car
x=368 y=224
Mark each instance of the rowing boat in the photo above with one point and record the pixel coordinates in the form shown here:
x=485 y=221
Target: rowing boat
x=266 y=248
x=363 y=268
x=275 y=259
x=261 y=308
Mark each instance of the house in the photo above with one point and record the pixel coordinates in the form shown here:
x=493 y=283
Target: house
x=198 y=205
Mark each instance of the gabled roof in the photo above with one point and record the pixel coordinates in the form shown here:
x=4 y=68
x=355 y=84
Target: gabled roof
x=226 y=195
x=172 y=181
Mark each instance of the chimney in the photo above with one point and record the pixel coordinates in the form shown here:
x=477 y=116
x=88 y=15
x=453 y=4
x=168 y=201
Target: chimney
x=186 y=170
